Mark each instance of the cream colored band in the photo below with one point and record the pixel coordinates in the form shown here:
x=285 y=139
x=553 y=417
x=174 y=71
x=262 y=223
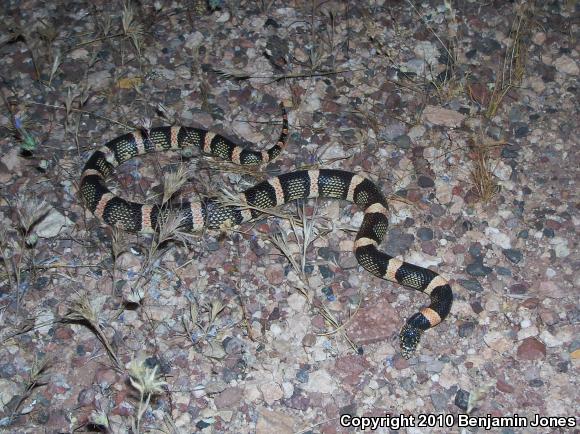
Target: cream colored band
x=100 y=208
x=275 y=183
x=207 y=142
x=139 y=142
x=392 y=268
x=146 y=225
x=432 y=316
x=377 y=207
x=438 y=281
x=361 y=242
x=354 y=182
x=313 y=175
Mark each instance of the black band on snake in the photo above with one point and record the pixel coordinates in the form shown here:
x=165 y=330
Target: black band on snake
x=302 y=184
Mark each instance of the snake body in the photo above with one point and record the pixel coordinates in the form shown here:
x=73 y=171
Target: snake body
x=301 y=184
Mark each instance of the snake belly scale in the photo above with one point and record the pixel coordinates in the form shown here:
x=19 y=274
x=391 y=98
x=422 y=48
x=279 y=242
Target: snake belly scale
x=301 y=184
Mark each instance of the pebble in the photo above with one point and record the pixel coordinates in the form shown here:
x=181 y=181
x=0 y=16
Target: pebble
x=303 y=375
x=398 y=242
x=497 y=237
x=298 y=401
x=7 y=370
x=503 y=271
x=510 y=151
x=392 y=130
x=539 y=38
x=560 y=247
x=462 y=399
x=270 y=421
x=504 y=387
x=8 y=390
x=229 y=397
x=427 y=51
x=513 y=255
x=296 y=302
x=425 y=182
x=439 y=401
x=525 y=333
x=531 y=349
x=325 y=271
x=503 y=171
x=478 y=269
x=271 y=392
x=566 y=65
x=549 y=232
x=497 y=341
x=232 y=345
x=444 y=117
x=550 y=289
x=518 y=288
x=416 y=132
x=403 y=142
x=86 y=397
x=328 y=254
x=425 y=234
x=471 y=285
x=475 y=251
x=369 y=325
x=520 y=129
x=466 y=329
x=320 y=381
x=52 y=225
x=496 y=133
x=487 y=46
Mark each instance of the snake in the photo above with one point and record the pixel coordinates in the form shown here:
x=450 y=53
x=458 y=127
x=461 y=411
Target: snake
x=209 y=213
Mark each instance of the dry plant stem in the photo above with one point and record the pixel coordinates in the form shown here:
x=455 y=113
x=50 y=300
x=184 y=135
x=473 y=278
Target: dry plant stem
x=513 y=66
x=482 y=176
x=128 y=127
x=228 y=198
x=82 y=312
x=141 y=411
x=35 y=378
x=237 y=75
x=304 y=237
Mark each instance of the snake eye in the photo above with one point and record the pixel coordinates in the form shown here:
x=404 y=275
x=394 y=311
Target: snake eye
x=409 y=339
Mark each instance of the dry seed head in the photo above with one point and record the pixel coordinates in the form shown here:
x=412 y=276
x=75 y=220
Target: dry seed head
x=145 y=379
x=30 y=211
x=173 y=181
x=99 y=418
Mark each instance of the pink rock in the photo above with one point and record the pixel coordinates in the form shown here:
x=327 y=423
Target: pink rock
x=504 y=387
x=441 y=116
x=531 y=349
x=106 y=377
x=551 y=289
x=376 y=321
x=275 y=274
x=350 y=367
x=228 y=398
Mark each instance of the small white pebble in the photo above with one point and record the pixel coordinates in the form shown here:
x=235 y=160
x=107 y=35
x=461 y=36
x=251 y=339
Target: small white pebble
x=525 y=323
x=435 y=378
x=275 y=329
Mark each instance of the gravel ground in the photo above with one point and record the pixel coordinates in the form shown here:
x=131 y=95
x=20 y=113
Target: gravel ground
x=464 y=113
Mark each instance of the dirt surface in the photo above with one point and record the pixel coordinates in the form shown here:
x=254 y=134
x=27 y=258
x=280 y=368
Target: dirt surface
x=465 y=113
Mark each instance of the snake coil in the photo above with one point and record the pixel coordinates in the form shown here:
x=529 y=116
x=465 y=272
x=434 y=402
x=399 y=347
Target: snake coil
x=301 y=184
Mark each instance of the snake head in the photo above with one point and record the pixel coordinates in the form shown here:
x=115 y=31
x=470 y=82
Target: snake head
x=409 y=339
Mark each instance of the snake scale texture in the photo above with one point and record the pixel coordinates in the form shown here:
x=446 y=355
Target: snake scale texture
x=301 y=184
